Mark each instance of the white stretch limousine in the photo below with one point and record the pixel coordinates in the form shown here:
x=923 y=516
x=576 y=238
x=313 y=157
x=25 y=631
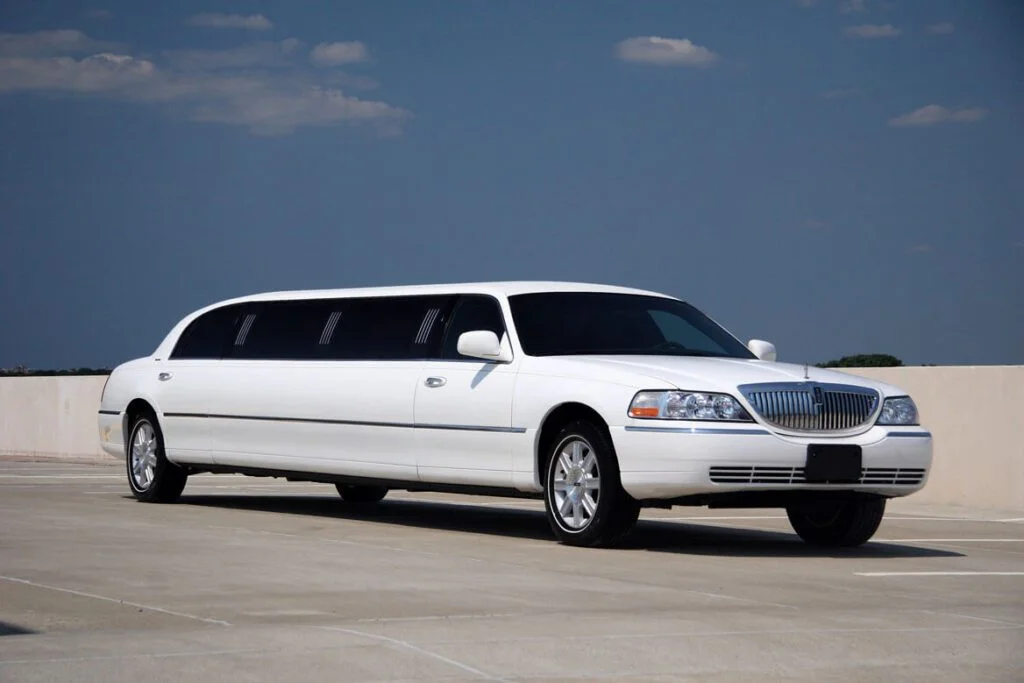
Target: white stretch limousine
x=600 y=399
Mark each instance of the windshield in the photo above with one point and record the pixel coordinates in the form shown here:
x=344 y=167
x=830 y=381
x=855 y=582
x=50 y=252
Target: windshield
x=592 y=323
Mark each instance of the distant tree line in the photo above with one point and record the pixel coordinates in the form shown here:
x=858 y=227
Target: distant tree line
x=22 y=371
x=864 y=360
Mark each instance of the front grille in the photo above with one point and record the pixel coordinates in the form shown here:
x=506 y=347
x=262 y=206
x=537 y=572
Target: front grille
x=812 y=407
x=878 y=476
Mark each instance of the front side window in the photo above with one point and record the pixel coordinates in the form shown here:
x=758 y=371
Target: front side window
x=592 y=323
x=474 y=312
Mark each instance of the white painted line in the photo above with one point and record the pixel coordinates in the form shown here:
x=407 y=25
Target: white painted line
x=938 y=573
x=404 y=645
x=1011 y=519
x=950 y=540
x=94 y=596
x=697 y=518
x=61 y=476
x=144 y=655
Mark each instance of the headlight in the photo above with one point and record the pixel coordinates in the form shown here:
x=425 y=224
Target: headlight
x=898 y=411
x=686 y=405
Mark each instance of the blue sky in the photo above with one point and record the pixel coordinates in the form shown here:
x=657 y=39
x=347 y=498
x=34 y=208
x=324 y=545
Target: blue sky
x=837 y=177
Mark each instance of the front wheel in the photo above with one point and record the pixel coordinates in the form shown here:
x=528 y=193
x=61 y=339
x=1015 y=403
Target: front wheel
x=840 y=523
x=151 y=476
x=583 y=495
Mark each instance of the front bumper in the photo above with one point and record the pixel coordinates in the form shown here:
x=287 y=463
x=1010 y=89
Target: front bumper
x=664 y=461
x=111 y=432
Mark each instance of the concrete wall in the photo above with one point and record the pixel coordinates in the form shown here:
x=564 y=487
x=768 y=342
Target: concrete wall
x=976 y=417
x=975 y=413
x=51 y=417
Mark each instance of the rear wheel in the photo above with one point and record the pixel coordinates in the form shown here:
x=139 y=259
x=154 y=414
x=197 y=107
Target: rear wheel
x=151 y=476
x=838 y=523
x=583 y=495
x=351 y=493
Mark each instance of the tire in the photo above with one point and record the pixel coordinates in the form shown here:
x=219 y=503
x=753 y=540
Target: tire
x=351 y=493
x=583 y=495
x=151 y=476
x=843 y=523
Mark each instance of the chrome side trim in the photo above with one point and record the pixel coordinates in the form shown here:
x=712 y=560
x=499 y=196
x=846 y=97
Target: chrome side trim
x=700 y=430
x=351 y=423
x=911 y=435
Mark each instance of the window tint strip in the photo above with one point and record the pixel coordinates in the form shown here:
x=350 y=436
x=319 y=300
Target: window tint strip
x=244 y=331
x=332 y=322
x=425 y=327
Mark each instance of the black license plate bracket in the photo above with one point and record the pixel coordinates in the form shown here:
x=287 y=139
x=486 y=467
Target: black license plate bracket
x=833 y=464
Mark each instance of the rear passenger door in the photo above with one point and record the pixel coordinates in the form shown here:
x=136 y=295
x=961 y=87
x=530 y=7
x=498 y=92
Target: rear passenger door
x=325 y=386
x=464 y=405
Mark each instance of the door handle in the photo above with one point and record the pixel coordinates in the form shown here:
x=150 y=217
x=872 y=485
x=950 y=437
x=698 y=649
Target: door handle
x=435 y=382
x=164 y=376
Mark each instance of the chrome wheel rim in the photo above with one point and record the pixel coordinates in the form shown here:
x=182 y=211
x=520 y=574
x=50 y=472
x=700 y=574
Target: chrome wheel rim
x=576 y=485
x=143 y=456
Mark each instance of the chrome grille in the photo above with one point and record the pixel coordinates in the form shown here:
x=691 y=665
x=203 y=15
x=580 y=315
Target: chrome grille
x=811 y=406
x=763 y=474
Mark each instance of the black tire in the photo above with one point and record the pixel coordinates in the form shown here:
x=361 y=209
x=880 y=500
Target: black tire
x=615 y=513
x=351 y=493
x=843 y=523
x=157 y=480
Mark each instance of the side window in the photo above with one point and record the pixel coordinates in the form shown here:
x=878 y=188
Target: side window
x=283 y=330
x=209 y=335
x=386 y=328
x=474 y=312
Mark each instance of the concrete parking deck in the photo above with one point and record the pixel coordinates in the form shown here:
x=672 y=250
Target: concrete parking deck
x=262 y=580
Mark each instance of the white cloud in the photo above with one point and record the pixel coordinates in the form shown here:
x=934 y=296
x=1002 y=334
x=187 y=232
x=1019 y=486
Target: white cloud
x=941 y=28
x=269 y=112
x=232 y=87
x=664 y=51
x=252 y=22
x=100 y=72
x=852 y=7
x=933 y=114
x=336 y=54
x=51 y=43
x=872 y=31
x=264 y=53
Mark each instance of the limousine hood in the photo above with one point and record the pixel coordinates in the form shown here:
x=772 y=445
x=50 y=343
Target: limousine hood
x=721 y=374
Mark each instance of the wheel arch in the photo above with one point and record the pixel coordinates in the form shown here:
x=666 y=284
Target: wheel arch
x=135 y=407
x=558 y=417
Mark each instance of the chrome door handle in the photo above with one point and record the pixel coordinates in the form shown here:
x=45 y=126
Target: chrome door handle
x=164 y=376
x=434 y=382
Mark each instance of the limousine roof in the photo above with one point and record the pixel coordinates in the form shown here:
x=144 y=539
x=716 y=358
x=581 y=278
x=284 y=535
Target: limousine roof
x=509 y=288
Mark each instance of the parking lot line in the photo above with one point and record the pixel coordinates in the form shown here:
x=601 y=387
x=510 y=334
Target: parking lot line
x=94 y=596
x=963 y=573
x=951 y=540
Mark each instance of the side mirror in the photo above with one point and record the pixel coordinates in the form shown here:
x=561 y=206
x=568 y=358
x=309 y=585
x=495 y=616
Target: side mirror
x=762 y=349
x=482 y=344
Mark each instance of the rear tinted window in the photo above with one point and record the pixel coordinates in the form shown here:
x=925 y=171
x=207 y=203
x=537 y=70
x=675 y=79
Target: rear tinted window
x=283 y=330
x=210 y=334
x=388 y=328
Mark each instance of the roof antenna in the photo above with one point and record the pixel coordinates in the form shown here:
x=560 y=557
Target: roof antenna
x=806 y=376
